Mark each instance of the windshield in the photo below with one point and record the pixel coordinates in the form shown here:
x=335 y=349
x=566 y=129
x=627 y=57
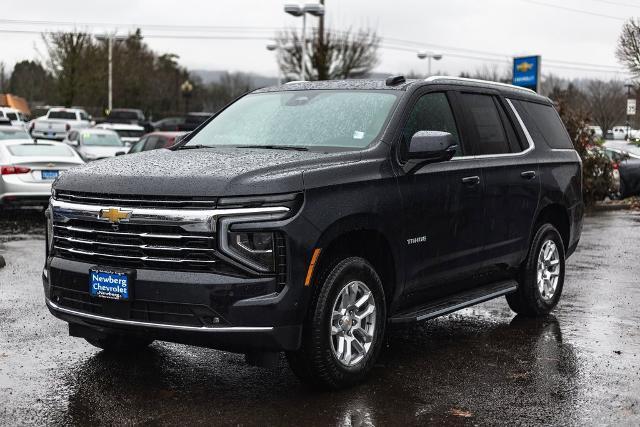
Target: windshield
x=101 y=139
x=306 y=119
x=125 y=115
x=65 y=115
x=37 y=150
x=12 y=116
x=13 y=133
x=129 y=133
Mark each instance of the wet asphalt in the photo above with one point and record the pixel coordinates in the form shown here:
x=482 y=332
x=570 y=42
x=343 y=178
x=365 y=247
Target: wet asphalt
x=480 y=366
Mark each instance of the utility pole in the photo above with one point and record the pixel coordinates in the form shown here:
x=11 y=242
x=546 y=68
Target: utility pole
x=110 y=102
x=628 y=85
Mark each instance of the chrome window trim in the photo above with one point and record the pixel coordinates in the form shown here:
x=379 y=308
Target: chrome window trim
x=527 y=135
x=206 y=329
x=485 y=82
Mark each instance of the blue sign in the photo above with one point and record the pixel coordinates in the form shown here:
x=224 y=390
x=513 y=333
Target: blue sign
x=106 y=284
x=526 y=72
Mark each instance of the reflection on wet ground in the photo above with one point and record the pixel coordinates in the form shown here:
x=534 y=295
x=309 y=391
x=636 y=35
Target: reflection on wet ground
x=482 y=365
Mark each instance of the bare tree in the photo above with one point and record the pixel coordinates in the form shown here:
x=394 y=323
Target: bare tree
x=628 y=50
x=330 y=55
x=606 y=102
x=491 y=73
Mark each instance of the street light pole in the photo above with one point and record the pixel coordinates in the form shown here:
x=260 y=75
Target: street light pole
x=628 y=85
x=273 y=47
x=422 y=55
x=110 y=102
x=301 y=11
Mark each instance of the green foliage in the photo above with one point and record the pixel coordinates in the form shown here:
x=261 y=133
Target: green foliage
x=597 y=170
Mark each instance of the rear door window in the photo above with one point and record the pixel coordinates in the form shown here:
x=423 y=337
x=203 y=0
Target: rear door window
x=544 y=124
x=485 y=123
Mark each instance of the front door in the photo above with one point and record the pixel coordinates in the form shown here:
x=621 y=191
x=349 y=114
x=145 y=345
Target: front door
x=442 y=209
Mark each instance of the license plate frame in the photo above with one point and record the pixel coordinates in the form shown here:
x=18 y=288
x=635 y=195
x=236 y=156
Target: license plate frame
x=48 y=175
x=107 y=284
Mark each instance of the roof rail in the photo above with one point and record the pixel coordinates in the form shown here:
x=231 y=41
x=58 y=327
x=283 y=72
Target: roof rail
x=487 y=82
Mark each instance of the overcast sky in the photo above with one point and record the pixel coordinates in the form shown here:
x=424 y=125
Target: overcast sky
x=490 y=31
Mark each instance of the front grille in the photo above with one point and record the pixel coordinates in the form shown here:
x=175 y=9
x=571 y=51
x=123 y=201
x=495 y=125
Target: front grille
x=136 y=200
x=139 y=310
x=138 y=246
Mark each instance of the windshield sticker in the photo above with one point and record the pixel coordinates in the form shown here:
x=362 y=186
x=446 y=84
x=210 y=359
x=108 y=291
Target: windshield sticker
x=358 y=134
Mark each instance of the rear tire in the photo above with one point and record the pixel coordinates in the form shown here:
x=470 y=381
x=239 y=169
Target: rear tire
x=344 y=330
x=541 y=276
x=120 y=343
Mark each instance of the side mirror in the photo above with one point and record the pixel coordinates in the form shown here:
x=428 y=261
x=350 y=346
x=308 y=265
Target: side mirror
x=432 y=146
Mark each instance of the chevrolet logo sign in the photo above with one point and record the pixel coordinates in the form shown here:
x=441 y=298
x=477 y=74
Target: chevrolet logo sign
x=523 y=67
x=114 y=215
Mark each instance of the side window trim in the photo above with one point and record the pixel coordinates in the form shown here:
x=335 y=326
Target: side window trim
x=527 y=135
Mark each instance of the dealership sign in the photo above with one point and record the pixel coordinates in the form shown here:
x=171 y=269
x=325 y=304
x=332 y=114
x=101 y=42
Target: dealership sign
x=526 y=72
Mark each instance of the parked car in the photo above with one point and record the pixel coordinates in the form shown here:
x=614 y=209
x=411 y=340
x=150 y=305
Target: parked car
x=169 y=124
x=193 y=120
x=8 y=132
x=596 y=131
x=619 y=133
x=128 y=116
x=129 y=134
x=306 y=217
x=626 y=163
x=94 y=144
x=155 y=140
x=16 y=117
x=27 y=169
x=58 y=122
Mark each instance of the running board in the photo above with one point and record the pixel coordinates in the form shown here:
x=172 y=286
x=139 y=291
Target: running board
x=456 y=302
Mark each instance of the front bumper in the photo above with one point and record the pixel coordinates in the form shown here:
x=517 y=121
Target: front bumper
x=57 y=136
x=196 y=308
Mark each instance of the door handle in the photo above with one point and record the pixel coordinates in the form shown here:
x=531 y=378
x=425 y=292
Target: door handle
x=471 y=180
x=528 y=174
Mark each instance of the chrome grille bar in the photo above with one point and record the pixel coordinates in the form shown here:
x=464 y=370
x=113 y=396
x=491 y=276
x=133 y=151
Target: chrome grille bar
x=125 y=245
x=134 y=258
x=110 y=200
x=129 y=234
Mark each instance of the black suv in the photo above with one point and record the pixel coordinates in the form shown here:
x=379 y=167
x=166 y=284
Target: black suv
x=307 y=217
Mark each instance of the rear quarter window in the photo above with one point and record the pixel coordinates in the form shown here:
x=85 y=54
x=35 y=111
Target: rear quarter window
x=544 y=124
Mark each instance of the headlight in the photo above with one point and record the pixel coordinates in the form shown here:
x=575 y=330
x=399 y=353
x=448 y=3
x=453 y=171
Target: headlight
x=255 y=247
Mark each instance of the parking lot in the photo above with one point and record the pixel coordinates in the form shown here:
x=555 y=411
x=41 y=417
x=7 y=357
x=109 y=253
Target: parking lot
x=478 y=366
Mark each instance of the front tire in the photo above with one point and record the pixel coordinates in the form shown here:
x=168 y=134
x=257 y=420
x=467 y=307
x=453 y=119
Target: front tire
x=344 y=330
x=541 y=275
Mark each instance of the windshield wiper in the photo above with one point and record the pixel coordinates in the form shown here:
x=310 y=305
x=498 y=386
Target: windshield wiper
x=193 y=147
x=276 y=147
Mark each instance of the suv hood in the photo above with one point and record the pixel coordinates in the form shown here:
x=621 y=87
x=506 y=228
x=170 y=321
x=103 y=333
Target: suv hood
x=203 y=172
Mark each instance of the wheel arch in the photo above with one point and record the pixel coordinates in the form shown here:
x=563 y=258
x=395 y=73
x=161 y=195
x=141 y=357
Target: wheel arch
x=558 y=216
x=364 y=236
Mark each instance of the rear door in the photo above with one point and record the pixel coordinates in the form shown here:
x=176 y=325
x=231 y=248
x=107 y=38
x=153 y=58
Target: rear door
x=442 y=208
x=511 y=180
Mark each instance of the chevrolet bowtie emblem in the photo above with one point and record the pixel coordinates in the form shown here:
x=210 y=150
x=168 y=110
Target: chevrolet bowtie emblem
x=114 y=215
x=523 y=67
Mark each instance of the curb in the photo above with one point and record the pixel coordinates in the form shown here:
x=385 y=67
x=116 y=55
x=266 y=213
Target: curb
x=610 y=207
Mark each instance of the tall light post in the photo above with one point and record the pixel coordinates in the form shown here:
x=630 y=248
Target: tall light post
x=422 y=55
x=273 y=47
x=628 y=85
x=302 y=10
x=110 y=39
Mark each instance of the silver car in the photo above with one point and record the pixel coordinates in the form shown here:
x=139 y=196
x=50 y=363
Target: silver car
x=94 y=144
x=28 y=168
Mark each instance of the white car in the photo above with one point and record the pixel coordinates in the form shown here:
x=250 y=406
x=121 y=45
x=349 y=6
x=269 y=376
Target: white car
x=620 y=132
x=94 y=143
x=15 y=116
x=58 y=122
x=129 y=133
x=28 y=168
